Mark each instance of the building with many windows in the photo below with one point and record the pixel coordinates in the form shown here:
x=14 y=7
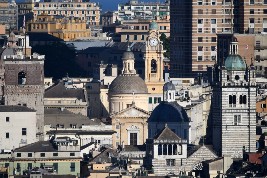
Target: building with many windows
x=65 y=28
x=88 y=11
x=143 y=10
x=9 y=14
x=195 y=23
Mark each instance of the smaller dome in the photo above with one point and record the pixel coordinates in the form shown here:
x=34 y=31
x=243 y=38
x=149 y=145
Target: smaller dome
x=128 y=54
x=153 y=26
x=235 y=62
x=168 y=86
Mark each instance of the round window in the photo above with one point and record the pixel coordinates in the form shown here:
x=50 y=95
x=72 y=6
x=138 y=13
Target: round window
x=237 y=77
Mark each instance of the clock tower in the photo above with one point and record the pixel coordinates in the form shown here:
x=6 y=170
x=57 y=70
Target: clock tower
x=153 y=55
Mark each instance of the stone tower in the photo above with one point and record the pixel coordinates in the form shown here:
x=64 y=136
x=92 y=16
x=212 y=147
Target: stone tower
x=24 y=79
x=234 y=106
x=153 y=55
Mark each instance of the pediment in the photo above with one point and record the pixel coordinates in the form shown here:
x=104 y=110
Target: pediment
x=132 y=112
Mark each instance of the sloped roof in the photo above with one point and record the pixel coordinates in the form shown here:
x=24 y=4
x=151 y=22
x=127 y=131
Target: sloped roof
x=167 y=134
x=105 y=156
x=64 y=117
x=60 y=91
x=40 y=146
x=15 y=109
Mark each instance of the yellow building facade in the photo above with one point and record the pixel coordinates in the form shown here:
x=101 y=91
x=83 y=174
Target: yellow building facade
x=67 y=29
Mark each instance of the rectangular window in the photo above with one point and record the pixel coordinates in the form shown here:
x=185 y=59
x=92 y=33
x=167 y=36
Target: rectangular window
x=213 y=39
x=199 y=58
x=213 y=48
x=200 y=11
x=170 y=162
x=213 y=11
x=29 y=154
x=213 y=21
x=143 y=37
x=133 y=138
x=55 y=166
x=55 y=154
x=200 y=21
x=237 y=119
x=150 y=100
x=199 y=2
x=24 y=131
x=213 y=2
x=199 y=30
x=29 y=166
x=18 y=155
x=251 y=11
x=135 y=37
x=72 y=154
x=42 y=154
x=7 y=119
x=6 y=165
x=200 y=48
x=251 y=2
x=72 y=167
x=18 y=167
x=199 y=39
x=7 y=134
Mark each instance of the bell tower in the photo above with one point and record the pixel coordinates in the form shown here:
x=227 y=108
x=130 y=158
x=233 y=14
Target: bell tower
x=153 y=55
x=24 y=80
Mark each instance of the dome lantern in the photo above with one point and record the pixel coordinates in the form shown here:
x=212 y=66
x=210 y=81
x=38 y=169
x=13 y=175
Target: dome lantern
x=169 y=92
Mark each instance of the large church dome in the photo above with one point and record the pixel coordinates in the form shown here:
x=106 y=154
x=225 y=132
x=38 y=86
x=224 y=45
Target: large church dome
x=127 y=84
x=235 y=62
x=168 y=112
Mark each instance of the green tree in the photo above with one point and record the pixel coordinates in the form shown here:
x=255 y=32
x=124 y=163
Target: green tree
x=59 y=60
x=166 y=44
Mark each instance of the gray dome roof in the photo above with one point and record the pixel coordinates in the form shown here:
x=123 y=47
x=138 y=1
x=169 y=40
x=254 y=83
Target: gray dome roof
x=128 y=55
x=168 y=86
x=168 y=112
x=127 y=84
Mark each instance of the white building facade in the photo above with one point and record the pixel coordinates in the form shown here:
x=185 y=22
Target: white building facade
x=18 y=127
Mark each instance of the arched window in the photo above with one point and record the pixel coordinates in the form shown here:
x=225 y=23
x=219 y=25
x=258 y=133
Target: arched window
x=160 y=149
x=22 y=78
x=153 y=66
x=175 y=149
x=180 y=149
x=230 y=99
x=240 y=99
x=244 y=99
x=169 y=149
x=164 y=149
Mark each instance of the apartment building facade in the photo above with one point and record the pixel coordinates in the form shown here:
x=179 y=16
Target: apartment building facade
x=9 y=14
x=143 y=10
x=195 y=25
x=88 y=11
